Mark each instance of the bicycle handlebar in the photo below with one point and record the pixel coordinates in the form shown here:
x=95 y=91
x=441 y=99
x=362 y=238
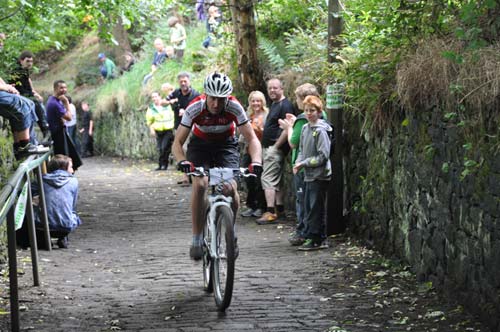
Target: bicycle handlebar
x=242 y=171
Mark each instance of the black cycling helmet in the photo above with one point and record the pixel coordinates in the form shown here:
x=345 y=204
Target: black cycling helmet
x=218 y=85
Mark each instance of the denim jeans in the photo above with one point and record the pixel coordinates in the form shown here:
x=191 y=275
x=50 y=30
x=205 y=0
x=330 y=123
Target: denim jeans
x=315 y=209
x=19 y=110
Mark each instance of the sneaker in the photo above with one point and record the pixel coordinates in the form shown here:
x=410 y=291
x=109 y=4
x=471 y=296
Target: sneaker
x=295 y=239
x=257 y=213
x=247 y=212
x=196 y=252
x=32 y=149
x=267 y=218
x=62 y=242
x=47 y=143
x=309 y=245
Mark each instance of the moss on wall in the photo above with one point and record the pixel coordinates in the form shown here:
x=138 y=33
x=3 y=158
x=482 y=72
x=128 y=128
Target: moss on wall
x=6 y=167
x=428 y=192
x=124 y=134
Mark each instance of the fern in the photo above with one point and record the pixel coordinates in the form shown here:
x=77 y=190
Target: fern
x=272 y=53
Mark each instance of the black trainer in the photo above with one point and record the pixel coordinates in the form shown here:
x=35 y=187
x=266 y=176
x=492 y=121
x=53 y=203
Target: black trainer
x=30 y=149
x=62 y=242
x=196 y=252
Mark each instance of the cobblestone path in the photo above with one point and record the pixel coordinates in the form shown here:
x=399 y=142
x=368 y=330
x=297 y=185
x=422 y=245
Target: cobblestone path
x=128 y=269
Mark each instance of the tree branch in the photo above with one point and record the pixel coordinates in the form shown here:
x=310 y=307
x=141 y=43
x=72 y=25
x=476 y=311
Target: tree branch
x=11 y=14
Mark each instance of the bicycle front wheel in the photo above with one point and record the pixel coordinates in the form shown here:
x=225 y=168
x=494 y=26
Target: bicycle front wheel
x=207 y=265
x=223 y=264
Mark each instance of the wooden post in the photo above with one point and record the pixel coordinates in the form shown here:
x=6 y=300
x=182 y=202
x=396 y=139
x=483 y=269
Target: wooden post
x=335 y=206
x=335 y=203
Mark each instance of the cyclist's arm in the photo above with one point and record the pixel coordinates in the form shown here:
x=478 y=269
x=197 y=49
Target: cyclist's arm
x=254 y=147
x=181 y=135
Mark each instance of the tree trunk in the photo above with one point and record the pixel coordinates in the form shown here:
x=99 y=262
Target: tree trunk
x=121 y=36
x=242 y=12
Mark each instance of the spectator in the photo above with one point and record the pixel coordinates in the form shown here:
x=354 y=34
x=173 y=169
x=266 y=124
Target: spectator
x=129 y=61
x=58 y=110
x=213 y=22
x=200 y=11
x=21 y=80
x=87 y=131
x=293 y=126
x=71 y=124
x=182 y=96
x=159 y=58
x=314 y=158
x=180 y=99
x=177 y=37
x=160 y=120
x=19 y=111
x=61 y=194
x=257 y=112
x=274 y=142
x=166 y=89
x=108 y=67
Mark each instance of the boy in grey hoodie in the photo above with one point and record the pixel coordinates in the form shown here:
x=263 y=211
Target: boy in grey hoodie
x=314 y=158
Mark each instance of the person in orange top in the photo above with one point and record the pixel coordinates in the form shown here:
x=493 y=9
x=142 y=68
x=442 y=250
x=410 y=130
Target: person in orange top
x=257 y=112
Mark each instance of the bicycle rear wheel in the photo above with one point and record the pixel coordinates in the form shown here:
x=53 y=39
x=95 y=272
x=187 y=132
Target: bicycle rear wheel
x=207 y=266
x=223 y=264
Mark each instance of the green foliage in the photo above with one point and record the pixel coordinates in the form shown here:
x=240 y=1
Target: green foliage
x=41 y=25
x=87 y=75
x=272 y=54
x=6 y=157
x=276 y=17
x=120 y=104
x=127 y=92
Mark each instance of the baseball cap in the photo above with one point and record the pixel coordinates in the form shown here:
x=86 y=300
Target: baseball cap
x=101 y=55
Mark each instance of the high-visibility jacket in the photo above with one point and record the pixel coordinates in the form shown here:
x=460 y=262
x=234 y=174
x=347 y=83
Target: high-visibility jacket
x=160 y=117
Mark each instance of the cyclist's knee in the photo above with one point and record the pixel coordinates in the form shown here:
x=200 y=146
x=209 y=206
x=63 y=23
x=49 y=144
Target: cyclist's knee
x=228 y=190
x=200 y=184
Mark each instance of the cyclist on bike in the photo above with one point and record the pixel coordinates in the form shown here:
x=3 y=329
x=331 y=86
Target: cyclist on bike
x=212 y=118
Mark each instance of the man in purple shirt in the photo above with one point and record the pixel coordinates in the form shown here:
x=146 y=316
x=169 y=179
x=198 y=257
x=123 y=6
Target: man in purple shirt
x=57 y=111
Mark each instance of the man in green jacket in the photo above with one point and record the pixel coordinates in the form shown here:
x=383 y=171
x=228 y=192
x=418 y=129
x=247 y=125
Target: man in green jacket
x=108 y=67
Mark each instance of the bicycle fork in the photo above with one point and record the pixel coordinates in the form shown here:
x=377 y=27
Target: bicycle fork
x=215 y=202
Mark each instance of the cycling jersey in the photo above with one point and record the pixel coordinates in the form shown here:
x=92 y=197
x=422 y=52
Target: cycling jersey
x=213 y=127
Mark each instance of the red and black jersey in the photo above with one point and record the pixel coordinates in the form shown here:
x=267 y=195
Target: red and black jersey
x=216 y=127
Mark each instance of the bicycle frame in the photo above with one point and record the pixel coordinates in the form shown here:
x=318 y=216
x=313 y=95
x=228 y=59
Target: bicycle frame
x=214 y=201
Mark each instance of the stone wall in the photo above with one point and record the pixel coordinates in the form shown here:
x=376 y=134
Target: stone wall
x=6 y=169
x=124 y=134
x=423 y=191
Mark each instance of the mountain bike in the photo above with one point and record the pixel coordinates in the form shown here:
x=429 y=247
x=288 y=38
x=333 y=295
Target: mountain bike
x=219 y=242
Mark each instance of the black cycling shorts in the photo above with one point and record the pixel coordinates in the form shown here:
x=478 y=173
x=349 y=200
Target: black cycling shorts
x=213 y=153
